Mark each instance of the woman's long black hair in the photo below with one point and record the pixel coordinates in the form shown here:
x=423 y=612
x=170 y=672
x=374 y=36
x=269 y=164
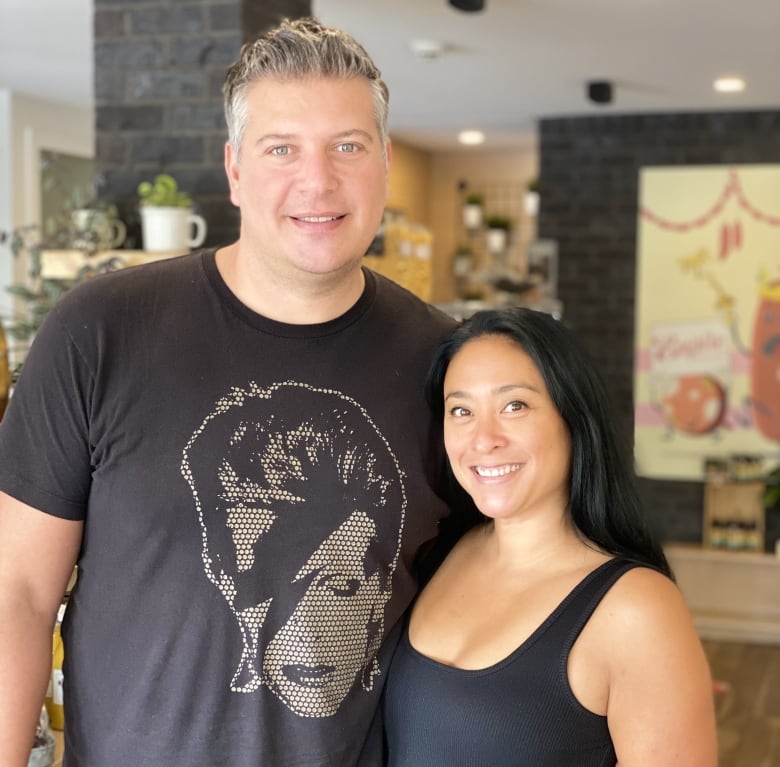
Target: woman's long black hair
x=604 y=504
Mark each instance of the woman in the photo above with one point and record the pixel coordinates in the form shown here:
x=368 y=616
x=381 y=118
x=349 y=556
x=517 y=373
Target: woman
x=552 y=635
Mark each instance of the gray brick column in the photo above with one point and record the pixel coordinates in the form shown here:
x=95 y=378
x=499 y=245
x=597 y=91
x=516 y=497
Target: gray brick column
x=159 y=66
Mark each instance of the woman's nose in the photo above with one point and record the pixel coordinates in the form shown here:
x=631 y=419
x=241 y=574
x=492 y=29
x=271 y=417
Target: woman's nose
x=488 y=433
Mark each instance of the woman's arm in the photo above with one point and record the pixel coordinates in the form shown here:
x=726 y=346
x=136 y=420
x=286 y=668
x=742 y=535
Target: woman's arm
x=660 y=708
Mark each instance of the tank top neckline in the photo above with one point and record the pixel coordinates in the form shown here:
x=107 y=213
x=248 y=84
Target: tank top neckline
x=526 y=644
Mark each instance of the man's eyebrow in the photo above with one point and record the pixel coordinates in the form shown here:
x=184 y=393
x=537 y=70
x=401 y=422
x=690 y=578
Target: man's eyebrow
x=346 y=134
x=274 y=137
x=365 y=135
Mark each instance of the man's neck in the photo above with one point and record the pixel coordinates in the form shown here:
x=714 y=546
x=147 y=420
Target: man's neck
x=311 y=300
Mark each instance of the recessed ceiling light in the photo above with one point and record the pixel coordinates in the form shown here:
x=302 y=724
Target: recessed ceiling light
x=426 y=49
x=729 y=84
x=471 y=137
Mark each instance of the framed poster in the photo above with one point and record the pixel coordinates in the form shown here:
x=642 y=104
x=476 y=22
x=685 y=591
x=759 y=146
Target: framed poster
x=707 y=338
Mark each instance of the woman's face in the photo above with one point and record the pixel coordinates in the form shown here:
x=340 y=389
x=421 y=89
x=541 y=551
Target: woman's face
x=507 y=444
x=315 y=658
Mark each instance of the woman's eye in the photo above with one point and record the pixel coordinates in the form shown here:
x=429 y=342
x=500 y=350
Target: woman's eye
x=515 y=406
x=459 y=411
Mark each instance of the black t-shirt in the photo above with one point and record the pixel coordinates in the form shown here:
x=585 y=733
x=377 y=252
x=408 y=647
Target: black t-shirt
x=253 y=494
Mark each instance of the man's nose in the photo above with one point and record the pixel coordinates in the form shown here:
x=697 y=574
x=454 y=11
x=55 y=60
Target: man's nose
x=319 y=171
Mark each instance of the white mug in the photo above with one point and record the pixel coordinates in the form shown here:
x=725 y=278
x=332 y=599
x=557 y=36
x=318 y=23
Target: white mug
x=171 y=229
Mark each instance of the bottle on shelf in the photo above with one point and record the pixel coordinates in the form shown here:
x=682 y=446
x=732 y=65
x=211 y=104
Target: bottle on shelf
x=54 y=702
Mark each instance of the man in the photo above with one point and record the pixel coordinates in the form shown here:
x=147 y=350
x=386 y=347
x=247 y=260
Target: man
x=235 y=449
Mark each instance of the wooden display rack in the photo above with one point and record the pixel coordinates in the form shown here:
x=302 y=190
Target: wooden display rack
x=734 y=517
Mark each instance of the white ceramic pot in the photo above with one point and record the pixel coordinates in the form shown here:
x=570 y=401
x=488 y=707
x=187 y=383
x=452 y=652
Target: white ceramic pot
x=532 y=203
x=496 y=240
x=472 y=216
x=171 y=229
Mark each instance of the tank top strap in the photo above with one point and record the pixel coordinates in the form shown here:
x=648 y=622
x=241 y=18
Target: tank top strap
x=575 y=611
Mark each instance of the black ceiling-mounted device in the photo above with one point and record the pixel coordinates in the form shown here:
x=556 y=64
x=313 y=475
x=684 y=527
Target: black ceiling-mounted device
x=600 y=91
x=468 y=5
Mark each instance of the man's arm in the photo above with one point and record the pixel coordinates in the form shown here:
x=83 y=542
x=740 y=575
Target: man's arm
x=37 y=555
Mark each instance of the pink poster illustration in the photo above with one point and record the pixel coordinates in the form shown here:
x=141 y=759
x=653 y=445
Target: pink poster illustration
x=707 y=348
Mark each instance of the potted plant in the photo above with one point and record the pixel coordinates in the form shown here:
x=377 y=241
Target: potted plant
x=168 y=222
x=497 y=233
x=771 y=495
x=532 y=197
x=472 y=210
x=96 y=226
x=37 y=295
x=462 y=261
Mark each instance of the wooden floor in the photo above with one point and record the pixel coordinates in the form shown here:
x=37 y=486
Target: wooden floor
x=749 y=708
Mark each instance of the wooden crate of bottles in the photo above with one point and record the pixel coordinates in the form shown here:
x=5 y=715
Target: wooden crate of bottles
x=734 y=516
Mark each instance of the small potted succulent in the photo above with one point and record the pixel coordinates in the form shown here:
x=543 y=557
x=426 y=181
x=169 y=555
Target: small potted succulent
x=163 y=192
x=168 y=222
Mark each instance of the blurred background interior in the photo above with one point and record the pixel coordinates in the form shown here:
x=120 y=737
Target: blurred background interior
x=522 y=132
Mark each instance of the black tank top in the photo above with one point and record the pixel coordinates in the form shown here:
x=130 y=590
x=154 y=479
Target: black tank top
x=519 y=712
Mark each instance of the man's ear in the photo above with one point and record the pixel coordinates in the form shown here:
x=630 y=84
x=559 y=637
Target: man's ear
x=388 y=158
x=232 y=170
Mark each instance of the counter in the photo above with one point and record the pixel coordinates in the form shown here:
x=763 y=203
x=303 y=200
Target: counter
x=732 y=595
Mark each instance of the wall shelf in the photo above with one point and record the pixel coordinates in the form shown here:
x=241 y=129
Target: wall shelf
x=734 y=515
x=63 y=264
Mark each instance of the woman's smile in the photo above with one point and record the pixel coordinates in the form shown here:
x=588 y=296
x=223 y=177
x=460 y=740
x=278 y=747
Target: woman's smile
x=492 y=472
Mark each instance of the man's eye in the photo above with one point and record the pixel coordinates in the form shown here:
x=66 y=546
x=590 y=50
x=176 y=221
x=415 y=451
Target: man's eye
x=280 y=151
x=339 y=585
x=348 y=146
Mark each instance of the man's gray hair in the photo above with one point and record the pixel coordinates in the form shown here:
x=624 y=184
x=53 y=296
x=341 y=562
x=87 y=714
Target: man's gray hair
x=295 y=50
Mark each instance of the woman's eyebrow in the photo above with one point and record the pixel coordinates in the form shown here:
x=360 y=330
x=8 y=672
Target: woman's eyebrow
x=505 y=389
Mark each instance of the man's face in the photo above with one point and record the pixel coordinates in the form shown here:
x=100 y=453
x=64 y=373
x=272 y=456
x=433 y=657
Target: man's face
x=301 y=522
x=317 y=655
x=311 y=179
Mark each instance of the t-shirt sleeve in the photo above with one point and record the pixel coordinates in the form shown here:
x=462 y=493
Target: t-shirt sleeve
x=44 y=442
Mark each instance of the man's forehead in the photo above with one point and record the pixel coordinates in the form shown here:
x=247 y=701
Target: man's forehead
x=284 y=107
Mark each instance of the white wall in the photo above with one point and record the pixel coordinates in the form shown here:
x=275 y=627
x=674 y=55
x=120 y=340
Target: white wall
x=6 y=211
x=27 y=126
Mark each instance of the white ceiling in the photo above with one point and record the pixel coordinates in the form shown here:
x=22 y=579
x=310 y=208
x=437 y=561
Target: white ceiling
x=502 y=69
x=46 y=49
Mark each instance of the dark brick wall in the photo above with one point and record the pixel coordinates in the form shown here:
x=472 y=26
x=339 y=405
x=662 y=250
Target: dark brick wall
x=159 y=67
x=589 y=173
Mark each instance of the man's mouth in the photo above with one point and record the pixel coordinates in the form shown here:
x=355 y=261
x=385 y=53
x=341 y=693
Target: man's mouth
x=309 y=676
x=317 y=219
